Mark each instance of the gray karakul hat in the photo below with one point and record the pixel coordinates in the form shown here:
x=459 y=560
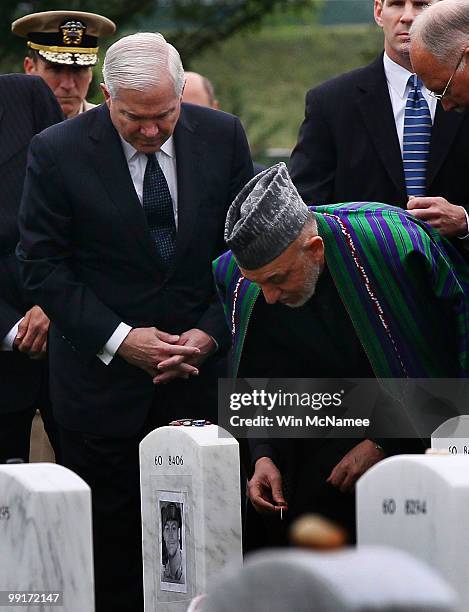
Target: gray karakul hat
x=265 y=218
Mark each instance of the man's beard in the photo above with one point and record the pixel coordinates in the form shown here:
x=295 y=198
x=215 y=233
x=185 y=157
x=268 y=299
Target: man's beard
x=312 y=272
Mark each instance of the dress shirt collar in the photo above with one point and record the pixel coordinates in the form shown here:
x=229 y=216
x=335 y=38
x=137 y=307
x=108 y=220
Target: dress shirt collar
x=397 y=76
x=167 y=148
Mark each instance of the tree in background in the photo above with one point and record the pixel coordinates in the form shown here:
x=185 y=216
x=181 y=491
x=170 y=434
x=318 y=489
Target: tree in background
x=191 y=26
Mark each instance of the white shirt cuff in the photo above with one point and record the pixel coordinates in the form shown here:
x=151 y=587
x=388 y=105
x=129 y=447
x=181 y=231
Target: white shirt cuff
x=106 y=354
x=7 y=342
x=466 y=235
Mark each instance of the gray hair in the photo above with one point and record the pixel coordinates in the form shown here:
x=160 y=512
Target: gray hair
x=443 y=29
x=141 y=61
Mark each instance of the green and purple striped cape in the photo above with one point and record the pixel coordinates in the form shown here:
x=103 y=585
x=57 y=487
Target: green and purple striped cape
x=396 y=277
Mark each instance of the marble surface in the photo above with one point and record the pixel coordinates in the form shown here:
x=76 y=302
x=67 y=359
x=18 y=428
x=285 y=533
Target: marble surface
x=452 y=436
x=45 y=535
x=199 y=471
x=419 y=503
x=374 y=579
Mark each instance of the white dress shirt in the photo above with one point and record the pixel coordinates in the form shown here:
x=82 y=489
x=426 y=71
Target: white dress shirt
x=7 y=343
x=137 y=163
x=166 y=157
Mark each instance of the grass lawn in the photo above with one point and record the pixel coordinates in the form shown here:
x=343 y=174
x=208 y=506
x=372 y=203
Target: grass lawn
x=263 y=76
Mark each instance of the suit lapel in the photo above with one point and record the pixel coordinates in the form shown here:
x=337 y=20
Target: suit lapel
x=445 y=128
x=190 y=152
x=375 y=106
x=114 y=172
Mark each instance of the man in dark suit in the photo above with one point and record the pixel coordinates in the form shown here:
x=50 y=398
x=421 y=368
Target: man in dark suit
x=351 y=143
x=122 y=214
x=27 y=106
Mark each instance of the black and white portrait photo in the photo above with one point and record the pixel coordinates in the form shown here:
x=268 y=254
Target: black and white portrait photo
x=172 y=539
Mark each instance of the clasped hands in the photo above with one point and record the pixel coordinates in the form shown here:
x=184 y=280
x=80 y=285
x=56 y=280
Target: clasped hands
x=165 y=356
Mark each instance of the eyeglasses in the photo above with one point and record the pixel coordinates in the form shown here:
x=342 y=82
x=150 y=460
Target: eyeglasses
x=445 y=90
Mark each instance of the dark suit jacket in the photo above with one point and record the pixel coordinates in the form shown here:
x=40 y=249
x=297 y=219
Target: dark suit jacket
x=27 y=106
x=348 y=149
x=88 y=259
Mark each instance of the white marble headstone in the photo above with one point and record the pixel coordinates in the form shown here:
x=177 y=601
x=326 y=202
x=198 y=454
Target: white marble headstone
x=419 y=503
x=368 y=580
x=45 y=537
x=453 y=436
x=197 y=473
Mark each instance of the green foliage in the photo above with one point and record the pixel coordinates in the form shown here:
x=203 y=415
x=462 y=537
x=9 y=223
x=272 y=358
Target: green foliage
x=191 y=25
x=200 y=25
x=263 y=77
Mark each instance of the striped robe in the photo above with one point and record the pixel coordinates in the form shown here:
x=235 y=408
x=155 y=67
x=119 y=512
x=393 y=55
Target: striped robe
x=400 y=281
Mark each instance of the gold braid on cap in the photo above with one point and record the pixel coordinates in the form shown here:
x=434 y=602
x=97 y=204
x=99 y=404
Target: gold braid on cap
x=56 y=49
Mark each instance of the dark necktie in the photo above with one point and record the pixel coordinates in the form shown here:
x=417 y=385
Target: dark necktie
x=416 y=142
x=158 y=209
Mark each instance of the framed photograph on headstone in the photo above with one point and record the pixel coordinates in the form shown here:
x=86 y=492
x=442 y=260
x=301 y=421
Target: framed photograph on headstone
x=171 y=507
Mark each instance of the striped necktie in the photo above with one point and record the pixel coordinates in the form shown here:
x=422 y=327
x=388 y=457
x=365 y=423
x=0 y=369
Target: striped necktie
x=416 y=142
x=158 y=208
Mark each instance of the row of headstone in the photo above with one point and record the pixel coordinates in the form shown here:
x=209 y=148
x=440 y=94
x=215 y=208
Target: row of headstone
x=192 y=523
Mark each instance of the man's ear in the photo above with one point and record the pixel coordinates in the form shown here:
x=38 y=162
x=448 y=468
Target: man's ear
x=106 y=94
x=377 y=10
x=315 y=247
x=466 y=56
x=28 y=65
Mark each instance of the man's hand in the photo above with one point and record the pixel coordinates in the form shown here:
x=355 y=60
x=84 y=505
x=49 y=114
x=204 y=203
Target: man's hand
x=265 y=487
x=179 y=366
x=146 y=347
x=448 y=219
x=354 y=464
x=32 y=333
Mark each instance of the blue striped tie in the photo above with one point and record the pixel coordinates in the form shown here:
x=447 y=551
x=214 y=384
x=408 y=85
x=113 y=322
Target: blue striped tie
x=416 y=142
